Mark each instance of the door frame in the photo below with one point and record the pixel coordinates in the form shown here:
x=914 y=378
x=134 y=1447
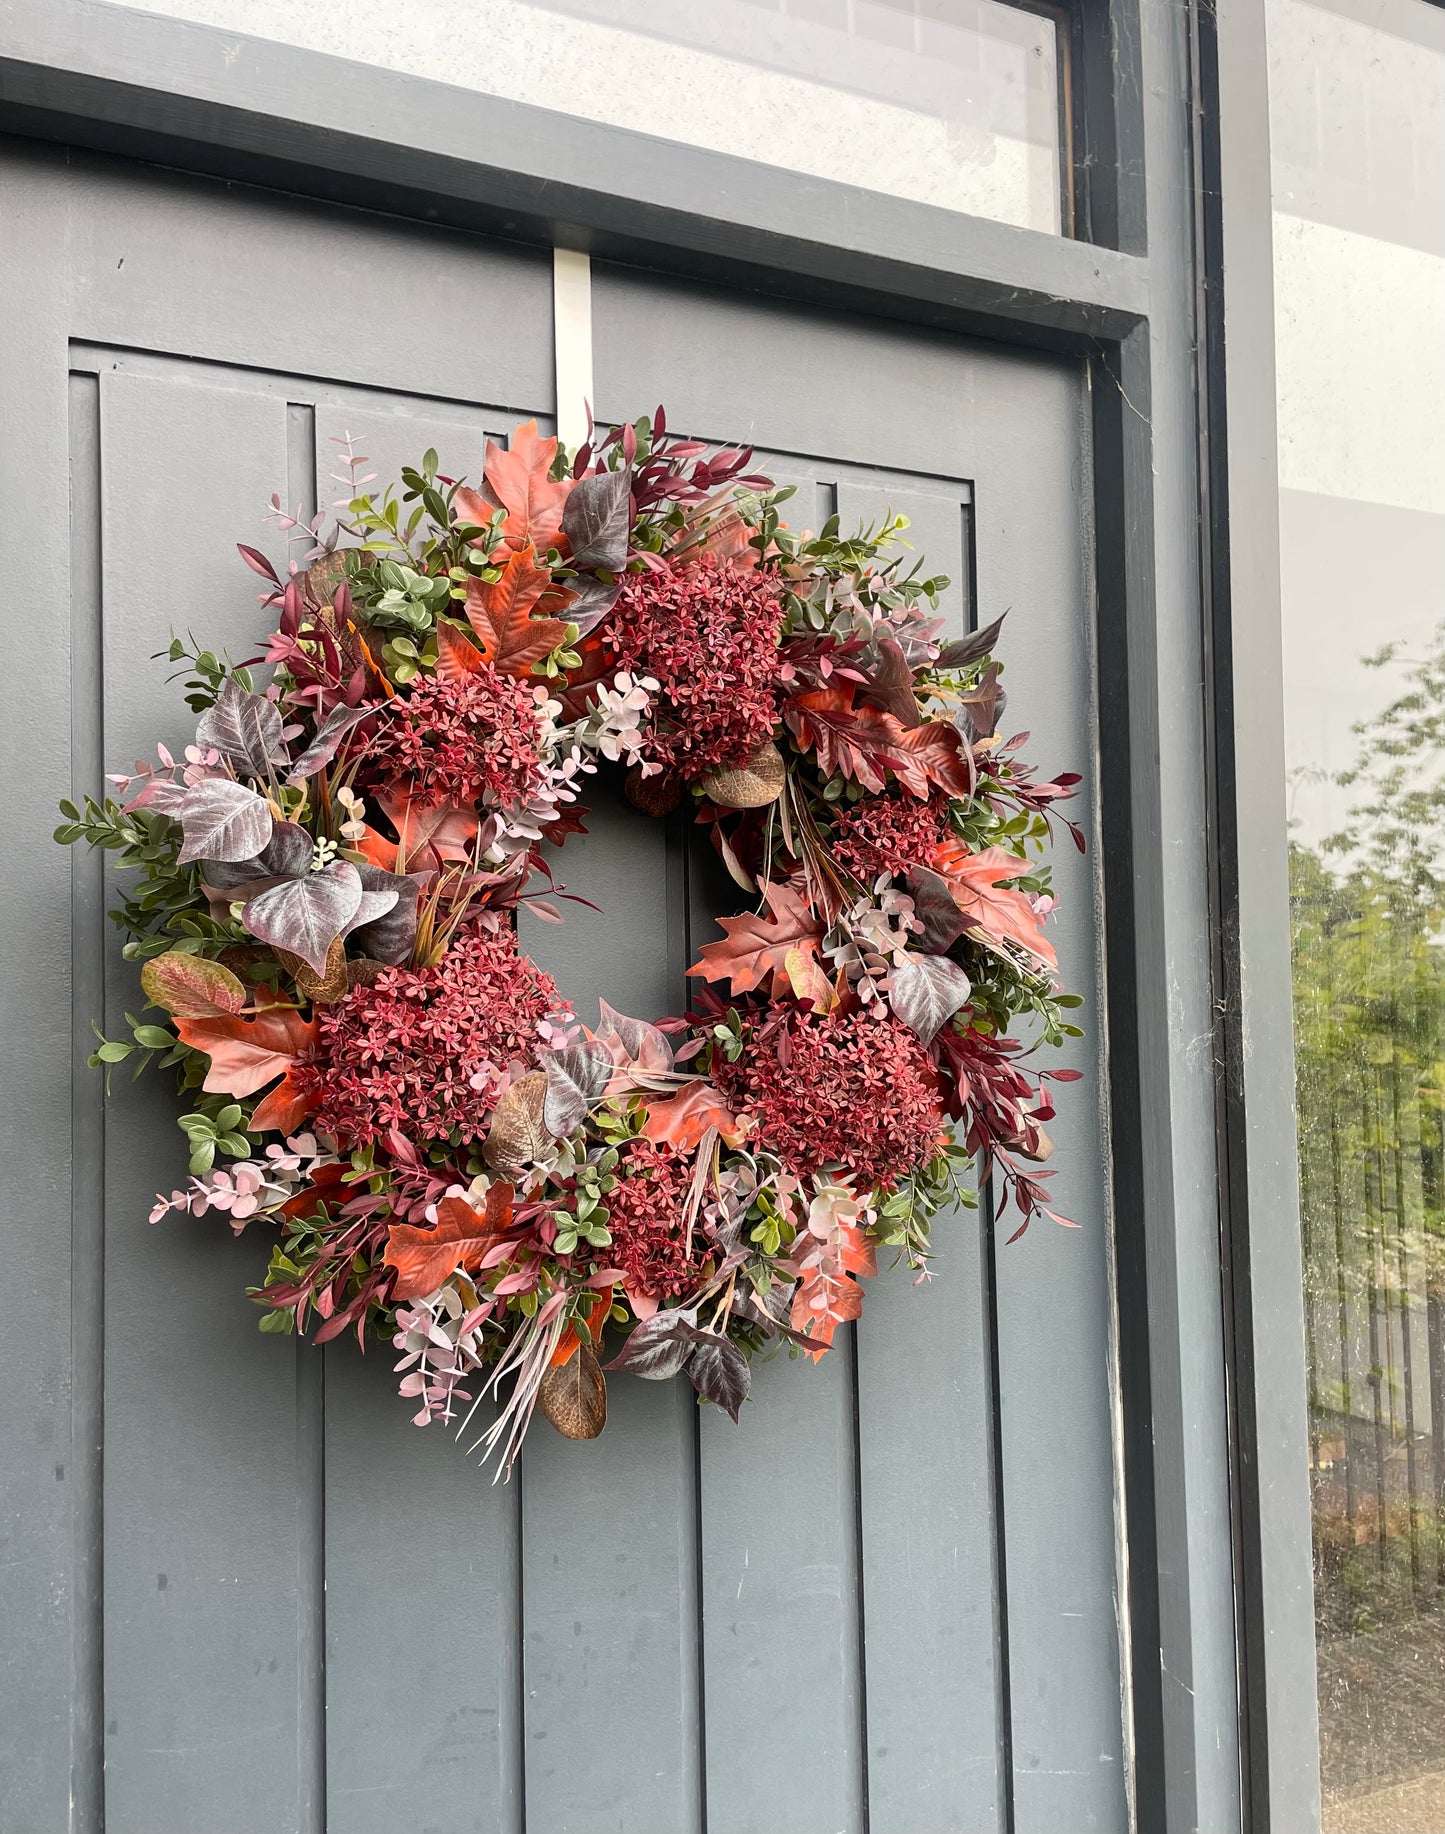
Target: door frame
x=1215 y=1555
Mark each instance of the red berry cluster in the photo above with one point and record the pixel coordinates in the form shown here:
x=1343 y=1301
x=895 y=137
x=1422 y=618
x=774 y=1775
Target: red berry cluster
x=423 y=1050
x=888 y=833
x=649 y=1239
x=806 y=1078
x=459 y=738
x=708 y=634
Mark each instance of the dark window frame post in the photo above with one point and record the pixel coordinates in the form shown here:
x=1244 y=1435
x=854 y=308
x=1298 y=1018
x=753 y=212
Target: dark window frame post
x=1131 y=303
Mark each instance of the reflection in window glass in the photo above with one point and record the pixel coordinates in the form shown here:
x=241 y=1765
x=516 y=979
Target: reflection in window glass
x=1358 y=131
x=947 y=102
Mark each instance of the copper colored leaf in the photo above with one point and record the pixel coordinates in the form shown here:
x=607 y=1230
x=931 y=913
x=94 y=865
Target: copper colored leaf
x=282 y=1109
x=246 y=1054
x=932 y=753
x=574 y=1397
x=850 y=741
x=518 y=1135
x=457 y=656
x=191 y=985
x=500 y=612
x=682 y=1120
x=423 y=1258
x=994 y=911
x=757 y=946
x=515 y=479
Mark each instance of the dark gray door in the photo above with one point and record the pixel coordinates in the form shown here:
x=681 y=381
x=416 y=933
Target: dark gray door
x=888 y=1600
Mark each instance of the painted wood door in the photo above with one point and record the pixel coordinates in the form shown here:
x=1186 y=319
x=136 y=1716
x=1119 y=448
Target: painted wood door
x=244 y=1595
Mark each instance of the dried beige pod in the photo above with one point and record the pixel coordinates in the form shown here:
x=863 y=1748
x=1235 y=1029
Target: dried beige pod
x=518 y=1135
x=752 y=785
x=574 y=1397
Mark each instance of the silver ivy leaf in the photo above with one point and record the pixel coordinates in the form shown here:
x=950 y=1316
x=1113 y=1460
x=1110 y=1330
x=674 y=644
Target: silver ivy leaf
x=925 y=991
x=306 y=915
x=285 y=856
x=222 y=820
x=576 y=1078
x=245 y=728
x=719 y=1372
x=659 y=1346
x=329 y=734
x=635 y=1035
x=373 y=908
x=597 y=520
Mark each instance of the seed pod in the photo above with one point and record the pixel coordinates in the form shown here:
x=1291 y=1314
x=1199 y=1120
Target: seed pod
x=574 y=1397
x=323 y=989
x=752 y=785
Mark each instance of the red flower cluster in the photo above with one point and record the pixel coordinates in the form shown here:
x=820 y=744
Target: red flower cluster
x=648 y=1234
x=707 y=631
x=455 y=739
x=855 y=1090
x=423 y=1049
x=888 y=833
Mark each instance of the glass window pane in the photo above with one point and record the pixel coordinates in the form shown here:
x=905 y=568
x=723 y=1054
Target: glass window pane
x=947 y=102
x=1358 y=130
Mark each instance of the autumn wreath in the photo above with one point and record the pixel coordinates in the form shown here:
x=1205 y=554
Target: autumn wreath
x=325 y=908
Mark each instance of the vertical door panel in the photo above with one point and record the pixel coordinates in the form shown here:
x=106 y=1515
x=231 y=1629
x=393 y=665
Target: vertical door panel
x=201 y=1507
x=610 y=1536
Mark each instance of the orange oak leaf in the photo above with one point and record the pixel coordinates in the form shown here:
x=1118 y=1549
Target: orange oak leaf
x=515 y=479
x=246 y=1054
x=423 y=1258
x=758 y=946
x=682 y=1120
x=283 y=1108
x=328 y=1185
x=500 y=612
x=456 y=655
x=999 y=913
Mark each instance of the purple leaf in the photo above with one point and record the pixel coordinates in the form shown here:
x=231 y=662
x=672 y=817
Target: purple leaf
x=245 y=728
x=719 y=1372
x=972 y=648
x=925 y=991
x=322 y=749
x=388 y=938
x=659 y=1347
x=592 y=603
x=222 y=820
x=306 y=915
x=636 y=1036
x=936 y=909
x=576 y=1078
x=597 y=520
x=890 y=683
x=257 y=562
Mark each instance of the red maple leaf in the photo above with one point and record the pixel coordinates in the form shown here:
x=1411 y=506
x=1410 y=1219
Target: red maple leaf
x=500 y=612
x=283 y=1108
x=423 y=1258
x=998 y=912
x=758 y=946
x=682 y=1120
x=457 y=656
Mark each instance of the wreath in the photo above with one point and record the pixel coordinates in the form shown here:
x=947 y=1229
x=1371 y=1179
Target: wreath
x=326 y=890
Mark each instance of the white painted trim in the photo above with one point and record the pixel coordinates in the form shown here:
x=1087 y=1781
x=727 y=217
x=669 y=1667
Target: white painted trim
x=572 y=341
